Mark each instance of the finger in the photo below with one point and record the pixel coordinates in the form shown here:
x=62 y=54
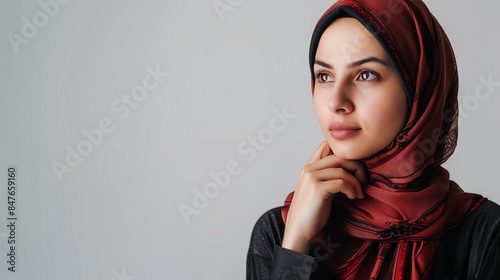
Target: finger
x=338 y=186
x=340 y=174
x=354 y=167
x=322 y=151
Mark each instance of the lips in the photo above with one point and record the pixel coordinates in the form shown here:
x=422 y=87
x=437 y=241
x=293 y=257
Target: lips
x=343 y=131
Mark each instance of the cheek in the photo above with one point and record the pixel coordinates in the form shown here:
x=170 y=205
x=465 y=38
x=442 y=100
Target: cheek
x=385 y=114
x=320 y=109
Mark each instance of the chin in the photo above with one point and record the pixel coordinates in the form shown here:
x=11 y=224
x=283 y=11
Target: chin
x=348 y=156
x=348 y=153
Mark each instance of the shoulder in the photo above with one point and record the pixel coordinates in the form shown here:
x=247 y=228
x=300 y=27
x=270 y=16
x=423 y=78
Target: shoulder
x=472 y=248
x=480 y=223
x=267 y=232
x=483 y=225
x=488 y=211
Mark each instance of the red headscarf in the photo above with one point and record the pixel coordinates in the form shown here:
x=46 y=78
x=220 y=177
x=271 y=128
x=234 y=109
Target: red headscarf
x=410 y=202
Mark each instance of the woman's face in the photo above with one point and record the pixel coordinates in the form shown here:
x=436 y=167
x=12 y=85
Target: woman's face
x=359 y=99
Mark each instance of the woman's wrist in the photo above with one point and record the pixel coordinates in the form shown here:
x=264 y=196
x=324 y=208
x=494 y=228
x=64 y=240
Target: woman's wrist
x=297 y=244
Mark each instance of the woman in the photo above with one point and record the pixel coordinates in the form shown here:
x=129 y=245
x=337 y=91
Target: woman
x=373 y=202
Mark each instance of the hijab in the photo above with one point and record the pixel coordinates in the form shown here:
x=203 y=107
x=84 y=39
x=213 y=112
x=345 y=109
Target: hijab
x=410 y=201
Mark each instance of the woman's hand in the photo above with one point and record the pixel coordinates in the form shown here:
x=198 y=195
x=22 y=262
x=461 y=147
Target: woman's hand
x=321 y=178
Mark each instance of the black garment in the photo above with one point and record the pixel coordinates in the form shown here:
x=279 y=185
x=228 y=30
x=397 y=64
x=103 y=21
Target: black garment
x=469 y=251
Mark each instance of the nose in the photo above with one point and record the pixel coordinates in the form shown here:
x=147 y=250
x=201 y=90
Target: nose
x=340 y=98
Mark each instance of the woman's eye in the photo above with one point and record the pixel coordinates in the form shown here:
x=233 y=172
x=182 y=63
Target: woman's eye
x=323 y=77
x=367 y=76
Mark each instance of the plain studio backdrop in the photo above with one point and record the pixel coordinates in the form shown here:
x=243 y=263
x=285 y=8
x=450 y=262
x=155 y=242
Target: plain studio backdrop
x=110 y=150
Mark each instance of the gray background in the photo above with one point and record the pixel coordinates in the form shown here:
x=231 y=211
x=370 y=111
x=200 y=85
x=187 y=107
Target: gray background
x=117 y=213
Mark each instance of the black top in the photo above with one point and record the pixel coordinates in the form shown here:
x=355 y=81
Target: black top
x=469 y=251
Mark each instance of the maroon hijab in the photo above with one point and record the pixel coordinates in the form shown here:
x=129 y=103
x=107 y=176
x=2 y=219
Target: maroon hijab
x=410 y=202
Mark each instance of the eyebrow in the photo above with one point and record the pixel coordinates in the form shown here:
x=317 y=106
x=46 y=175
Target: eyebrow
x=355 y=63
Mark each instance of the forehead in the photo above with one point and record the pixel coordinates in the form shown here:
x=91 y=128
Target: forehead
x=348 y=39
